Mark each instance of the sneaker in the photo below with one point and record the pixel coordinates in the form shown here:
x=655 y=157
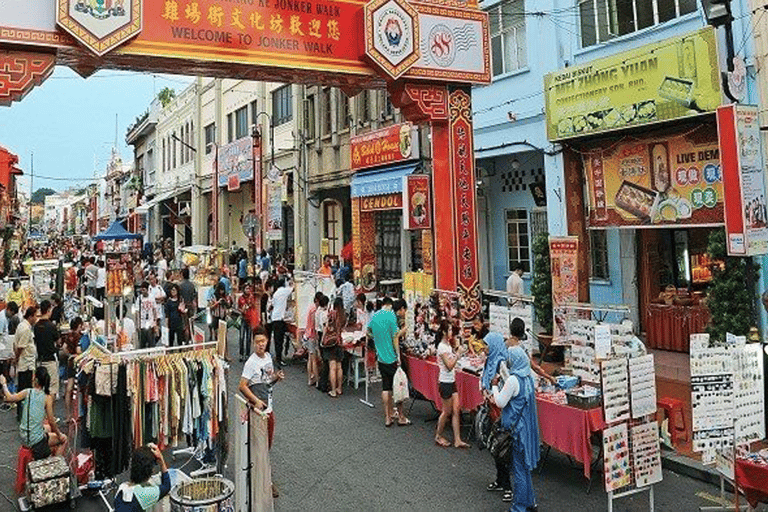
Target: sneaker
x=493 y=486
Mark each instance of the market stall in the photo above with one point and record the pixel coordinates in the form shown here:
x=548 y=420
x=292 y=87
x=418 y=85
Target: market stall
x=204 y=262
x=42 y=278
x=423 y=375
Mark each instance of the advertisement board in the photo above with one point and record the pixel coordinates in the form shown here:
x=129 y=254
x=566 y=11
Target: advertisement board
x=563 y=256
x=744 y=178
x=665 y=80
x=656 y=181
x=391 y=144
x=236 y=162
x=417 y=204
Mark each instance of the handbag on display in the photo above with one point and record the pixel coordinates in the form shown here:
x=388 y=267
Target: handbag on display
x=48 y=481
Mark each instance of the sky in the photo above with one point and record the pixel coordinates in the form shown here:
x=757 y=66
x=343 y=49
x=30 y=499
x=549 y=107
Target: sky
x=68 y=122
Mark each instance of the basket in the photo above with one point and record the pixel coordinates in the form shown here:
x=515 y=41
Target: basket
x=583 y=402
x=203 y=495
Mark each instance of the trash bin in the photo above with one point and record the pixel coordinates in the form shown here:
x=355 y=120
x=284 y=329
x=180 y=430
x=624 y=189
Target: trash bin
x=203 y=495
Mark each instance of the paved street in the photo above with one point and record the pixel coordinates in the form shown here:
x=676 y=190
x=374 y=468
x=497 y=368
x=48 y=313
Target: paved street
x=336 y=455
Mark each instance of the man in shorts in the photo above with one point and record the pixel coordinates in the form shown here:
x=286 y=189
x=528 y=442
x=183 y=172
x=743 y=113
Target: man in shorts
x=384 y=331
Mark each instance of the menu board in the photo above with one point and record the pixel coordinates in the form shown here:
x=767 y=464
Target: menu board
x=712 y=398
x=618 y=471
x=615 y=390
x=642 y=383
x=646 y=454
x=119 y=273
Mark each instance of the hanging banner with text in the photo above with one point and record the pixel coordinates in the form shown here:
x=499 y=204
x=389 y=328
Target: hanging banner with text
x=274 y=204
x=665 y=80
x=236 y=161
x=564 y=258
x=656 y=181
x=416 y=201
x=744 y=179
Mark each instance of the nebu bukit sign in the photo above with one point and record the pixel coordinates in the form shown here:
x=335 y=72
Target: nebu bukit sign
x=666 y=80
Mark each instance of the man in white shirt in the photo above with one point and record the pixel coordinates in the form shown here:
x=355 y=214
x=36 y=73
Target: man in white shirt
x=101 y=280
x=149 y=323
x=279 y=306
x=162 y=267
x=515 y=281
x=347 y=293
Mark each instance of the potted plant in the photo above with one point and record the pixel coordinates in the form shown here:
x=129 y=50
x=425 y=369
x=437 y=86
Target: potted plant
x=731 y=299
x=541 y=287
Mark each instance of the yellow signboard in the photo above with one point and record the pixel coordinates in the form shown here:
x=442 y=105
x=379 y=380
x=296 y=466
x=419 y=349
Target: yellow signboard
x=665 y=80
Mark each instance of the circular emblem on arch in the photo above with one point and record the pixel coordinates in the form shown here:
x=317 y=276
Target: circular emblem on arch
x=391 y=35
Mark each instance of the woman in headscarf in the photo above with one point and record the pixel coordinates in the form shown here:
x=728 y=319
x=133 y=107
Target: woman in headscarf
x=518 y=415
x=497 y=354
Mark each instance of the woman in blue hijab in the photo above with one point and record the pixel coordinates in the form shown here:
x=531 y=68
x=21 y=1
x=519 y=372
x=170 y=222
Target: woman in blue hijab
x=518 y=402
x=497 y=354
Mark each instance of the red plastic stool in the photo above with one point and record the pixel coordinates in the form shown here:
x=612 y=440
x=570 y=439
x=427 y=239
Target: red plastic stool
x=671 y=406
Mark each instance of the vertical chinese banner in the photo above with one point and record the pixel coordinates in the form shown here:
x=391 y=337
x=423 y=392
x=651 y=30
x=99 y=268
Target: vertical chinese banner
x=275 y=204
x=463 y=173
x=744 y=186
x=426 y=251
x=363 y=246
x=598 y=186
x=563 y=256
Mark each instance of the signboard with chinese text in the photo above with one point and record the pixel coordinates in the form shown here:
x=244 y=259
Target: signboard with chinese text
x=656 y=181
x=417 y=206
x=236 y=158
x=744 y=180
x=391 y=144
x=665 y=80
x=563 y=256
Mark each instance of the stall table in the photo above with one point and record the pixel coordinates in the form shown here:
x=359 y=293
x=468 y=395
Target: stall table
x=752 y=480
x=569 y=429
x=423 y=375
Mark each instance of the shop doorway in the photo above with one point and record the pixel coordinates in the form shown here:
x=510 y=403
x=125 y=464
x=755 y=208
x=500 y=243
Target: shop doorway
x=388 y=245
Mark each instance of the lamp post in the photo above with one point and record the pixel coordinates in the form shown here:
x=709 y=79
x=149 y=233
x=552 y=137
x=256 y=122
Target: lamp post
x=257 y=174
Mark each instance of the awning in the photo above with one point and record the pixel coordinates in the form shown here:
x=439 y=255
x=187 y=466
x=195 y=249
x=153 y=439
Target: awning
x=388 y=180
x=162 y=197
x=143 y=209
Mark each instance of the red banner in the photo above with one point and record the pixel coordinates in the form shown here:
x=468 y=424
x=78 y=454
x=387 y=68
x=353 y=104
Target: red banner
x=377 y=203
x=564 y=257
x=282 y=33
x=392 y=144
x=465 y=229
x=416 y=202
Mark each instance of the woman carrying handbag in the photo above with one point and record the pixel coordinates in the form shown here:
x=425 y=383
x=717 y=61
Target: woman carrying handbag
x=331 y=345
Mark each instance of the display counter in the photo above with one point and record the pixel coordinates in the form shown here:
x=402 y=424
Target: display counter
x=423 y=375
x=669 y=327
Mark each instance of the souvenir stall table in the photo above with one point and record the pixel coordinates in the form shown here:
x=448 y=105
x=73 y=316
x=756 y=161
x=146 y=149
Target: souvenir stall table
x=751 y=478
x=423 y=375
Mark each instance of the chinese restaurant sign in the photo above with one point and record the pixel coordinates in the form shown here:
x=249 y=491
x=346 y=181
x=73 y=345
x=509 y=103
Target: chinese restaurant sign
x=236 y=161
x=416 y=201
x=744 y=180
x=665 y=80
x=657 y=182
x=392 y=144
x=563 y=257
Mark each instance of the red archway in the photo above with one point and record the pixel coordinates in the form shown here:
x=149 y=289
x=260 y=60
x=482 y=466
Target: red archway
x=426 y=53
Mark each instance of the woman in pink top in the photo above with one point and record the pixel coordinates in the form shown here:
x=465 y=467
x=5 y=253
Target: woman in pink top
x=310 y=343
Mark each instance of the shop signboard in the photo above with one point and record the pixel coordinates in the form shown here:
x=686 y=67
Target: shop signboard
x=744 y=180
x=394 y=143
x=379 y=203
x=416 y=201
x=669 y=79
x=236 y=163
x=656 y=181
x=274 y=204
x=563 y=256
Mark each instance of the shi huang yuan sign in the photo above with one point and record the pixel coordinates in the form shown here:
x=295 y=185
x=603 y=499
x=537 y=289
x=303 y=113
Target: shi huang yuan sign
x=665 y=80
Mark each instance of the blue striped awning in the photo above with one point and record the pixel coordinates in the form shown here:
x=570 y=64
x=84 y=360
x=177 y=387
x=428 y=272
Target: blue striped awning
x=388 y=180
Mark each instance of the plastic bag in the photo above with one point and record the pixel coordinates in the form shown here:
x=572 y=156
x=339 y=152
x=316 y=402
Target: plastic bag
x=164 y=336
x=400 y=386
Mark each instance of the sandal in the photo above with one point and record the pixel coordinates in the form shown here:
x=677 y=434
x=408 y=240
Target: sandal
x=332 y=394
x=493 y=486
x=443 y=443
x=507 y=497
x=388 y=424
x=405 y=423
x=463 y=445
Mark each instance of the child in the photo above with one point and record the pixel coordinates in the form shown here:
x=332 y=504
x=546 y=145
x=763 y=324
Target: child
x=310 y=342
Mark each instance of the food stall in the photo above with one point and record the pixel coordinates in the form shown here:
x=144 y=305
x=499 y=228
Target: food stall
x=42 y=278
x=204 y=262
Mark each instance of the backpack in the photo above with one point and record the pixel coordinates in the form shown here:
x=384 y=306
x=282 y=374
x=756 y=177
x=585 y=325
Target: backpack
x=331 y=334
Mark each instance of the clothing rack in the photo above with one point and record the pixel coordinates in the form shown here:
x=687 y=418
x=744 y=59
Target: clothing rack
x=161 y=350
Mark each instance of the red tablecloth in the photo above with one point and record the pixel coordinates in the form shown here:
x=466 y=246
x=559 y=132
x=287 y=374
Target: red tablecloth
x=752 y=480
x=423 y=375
x=568 y=429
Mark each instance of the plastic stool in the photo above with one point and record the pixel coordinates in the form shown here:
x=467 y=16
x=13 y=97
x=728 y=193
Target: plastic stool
x=671 y=406
x=356 y=372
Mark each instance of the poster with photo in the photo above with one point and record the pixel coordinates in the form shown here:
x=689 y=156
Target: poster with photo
x=616 y=463
x=563 y=256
